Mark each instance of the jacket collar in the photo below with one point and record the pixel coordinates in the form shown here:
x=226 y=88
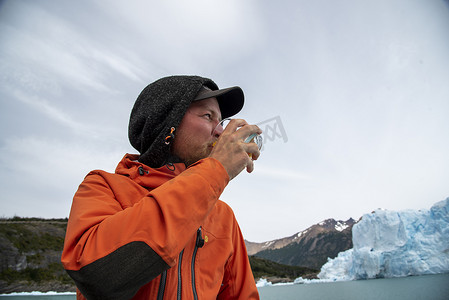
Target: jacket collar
x=144 y=175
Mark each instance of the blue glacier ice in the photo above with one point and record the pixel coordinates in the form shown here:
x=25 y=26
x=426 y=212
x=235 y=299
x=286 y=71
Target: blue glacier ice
x=395 y=244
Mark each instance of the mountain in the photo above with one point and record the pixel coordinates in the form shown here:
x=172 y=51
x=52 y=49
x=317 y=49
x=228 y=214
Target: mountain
x=30 y=253
x=395 y=244
x=309 y=248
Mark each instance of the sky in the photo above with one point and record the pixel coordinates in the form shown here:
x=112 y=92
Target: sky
x=352 y=95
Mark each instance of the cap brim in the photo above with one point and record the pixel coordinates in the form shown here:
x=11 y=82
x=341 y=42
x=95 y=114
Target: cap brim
x=230 y=100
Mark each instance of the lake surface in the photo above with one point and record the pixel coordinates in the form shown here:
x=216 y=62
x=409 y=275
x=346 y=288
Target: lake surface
x=434 y=287
x=429 y=287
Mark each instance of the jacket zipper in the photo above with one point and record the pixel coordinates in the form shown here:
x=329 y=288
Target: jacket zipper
x=179 y=275
x=199 y=243
x=160 y=294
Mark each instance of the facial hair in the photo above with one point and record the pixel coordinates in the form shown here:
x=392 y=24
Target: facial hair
x=189 y=159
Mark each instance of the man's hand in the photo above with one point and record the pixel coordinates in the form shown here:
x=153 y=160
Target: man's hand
x=232 y=151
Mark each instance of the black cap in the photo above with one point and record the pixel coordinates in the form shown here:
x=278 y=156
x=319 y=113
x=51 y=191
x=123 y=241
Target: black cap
x=230 y=100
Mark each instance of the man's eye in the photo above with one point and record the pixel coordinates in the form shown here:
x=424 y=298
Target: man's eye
x=209 y=116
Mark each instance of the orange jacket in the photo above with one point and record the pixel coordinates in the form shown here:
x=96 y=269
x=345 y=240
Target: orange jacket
x=146 y=233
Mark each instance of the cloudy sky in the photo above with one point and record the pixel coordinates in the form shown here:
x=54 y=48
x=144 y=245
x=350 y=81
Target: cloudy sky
x=360 y=89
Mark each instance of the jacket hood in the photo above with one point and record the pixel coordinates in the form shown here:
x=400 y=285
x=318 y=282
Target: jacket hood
x=159 y=107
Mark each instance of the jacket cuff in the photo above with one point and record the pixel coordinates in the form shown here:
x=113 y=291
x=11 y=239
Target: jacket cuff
x=213 y=172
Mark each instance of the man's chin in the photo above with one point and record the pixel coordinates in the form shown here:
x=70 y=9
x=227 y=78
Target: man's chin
x=191 y=161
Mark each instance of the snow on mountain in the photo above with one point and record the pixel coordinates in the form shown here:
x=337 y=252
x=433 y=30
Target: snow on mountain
x=395 y=244
x=340 y=226
x=308 y=248
x=309 y=233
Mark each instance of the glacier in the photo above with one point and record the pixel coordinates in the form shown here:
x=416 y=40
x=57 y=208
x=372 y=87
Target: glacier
x=394 y=244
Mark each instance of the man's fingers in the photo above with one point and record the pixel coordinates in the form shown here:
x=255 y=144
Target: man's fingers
x=250 y=166
x=231 y=149
x=247 y=130
x=234 y=124
x=252 y=149
x=241 y=128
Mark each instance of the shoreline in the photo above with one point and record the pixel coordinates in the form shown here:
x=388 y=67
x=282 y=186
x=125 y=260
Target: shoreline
x=265 y=281
x=28 y=287
x=37 y=293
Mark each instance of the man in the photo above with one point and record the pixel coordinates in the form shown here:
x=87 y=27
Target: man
x=155 y=229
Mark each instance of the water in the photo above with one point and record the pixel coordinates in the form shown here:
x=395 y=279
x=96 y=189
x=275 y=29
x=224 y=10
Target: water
x=434 y=287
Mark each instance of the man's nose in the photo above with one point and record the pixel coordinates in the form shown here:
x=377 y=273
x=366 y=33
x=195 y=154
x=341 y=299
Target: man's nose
x=218 y=130
x=220 y=127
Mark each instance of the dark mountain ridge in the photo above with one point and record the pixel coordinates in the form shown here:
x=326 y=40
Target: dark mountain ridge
x=309 y=248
